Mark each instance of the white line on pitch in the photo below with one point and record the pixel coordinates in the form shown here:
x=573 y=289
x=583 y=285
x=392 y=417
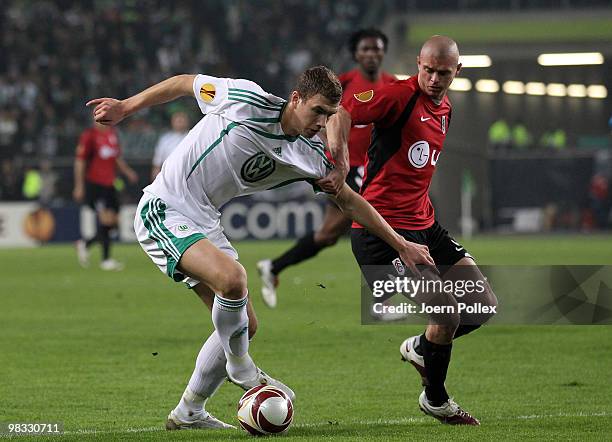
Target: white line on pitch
x=359 y=422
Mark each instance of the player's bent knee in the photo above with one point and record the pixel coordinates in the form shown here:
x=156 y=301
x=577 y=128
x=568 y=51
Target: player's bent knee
x=443 y=310
x=232 y=282
x=490 y=302
x=328 y=240
x=445 y=325
x=451 y=322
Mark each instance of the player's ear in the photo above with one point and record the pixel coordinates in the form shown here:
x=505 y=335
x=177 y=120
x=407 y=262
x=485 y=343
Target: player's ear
x=295 y=98
x=418 y=61
x=458 y=68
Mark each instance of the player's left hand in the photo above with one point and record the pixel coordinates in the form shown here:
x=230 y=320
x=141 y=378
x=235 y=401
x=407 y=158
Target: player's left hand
x=333 y=181
x=107 y=111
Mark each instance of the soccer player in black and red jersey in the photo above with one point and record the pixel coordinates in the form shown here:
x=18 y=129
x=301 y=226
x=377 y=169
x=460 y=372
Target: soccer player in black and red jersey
x=411 y=119
x=98 y=155
x=367 y=47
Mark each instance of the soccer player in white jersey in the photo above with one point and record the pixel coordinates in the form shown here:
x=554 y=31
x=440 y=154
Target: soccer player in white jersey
x=247 y=141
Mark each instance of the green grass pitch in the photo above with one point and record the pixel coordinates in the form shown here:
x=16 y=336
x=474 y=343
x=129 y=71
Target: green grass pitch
x=78 y=346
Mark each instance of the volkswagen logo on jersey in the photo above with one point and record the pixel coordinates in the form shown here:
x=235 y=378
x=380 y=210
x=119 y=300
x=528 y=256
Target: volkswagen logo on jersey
x=418 y=154
x=258 y=167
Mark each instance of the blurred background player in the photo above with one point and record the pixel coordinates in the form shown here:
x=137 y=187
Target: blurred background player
x=367 y=47
x=98 y=155
x=411 y=119
x=179 y=124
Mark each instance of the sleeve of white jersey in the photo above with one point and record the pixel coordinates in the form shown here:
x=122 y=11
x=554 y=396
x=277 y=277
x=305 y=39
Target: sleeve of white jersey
x=211 y=93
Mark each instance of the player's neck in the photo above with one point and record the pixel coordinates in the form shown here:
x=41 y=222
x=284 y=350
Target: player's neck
x=287 y=125
x=437 y=101
x=370 y=76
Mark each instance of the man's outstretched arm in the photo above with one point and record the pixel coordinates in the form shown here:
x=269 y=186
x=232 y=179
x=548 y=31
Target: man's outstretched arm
x=355 y=207
x=110 y=111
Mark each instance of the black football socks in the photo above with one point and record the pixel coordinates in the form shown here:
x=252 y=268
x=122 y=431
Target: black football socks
x=305 y=248
x=437 y=358
x=104 y=233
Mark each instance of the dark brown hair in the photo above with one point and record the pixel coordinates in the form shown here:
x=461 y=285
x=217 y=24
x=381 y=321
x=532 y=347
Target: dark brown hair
x=319 y=80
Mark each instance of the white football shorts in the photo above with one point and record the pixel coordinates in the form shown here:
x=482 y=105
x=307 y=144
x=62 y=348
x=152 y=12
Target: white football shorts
x=164 y=234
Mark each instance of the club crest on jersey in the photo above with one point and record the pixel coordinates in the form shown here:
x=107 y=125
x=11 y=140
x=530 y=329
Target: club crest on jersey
x=364 y=97
x=207 y=92
x=183 y=228
x=258 y=167
x=443 y=124
x=278 y=151
x=399 y=266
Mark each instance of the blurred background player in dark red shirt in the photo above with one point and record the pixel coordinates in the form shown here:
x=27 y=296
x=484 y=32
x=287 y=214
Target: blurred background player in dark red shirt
x=411 y=119
x=98 y=155
x=367 y=47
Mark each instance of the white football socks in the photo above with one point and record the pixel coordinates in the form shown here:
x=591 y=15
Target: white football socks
x=232 y=325
x=191 y=407
x=209 y=371
x=207 y=377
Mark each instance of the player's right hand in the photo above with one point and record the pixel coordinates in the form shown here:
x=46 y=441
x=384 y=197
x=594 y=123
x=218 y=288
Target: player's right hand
x=107 y=111
x=412 y=254
x=78 y=194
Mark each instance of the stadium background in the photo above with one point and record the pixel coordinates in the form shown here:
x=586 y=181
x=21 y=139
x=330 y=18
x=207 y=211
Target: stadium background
x=77 y=341
x=46 y=76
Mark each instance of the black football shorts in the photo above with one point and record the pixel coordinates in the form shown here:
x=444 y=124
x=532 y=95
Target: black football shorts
x=370 y=250
x=102 y=197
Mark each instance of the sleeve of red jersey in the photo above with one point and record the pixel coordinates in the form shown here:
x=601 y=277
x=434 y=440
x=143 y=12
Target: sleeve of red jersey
x=84 y=146
x=381 y=107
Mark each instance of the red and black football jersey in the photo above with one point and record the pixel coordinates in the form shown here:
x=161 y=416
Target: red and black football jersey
x=100 y=149
x=359 y=139
x=403 y=153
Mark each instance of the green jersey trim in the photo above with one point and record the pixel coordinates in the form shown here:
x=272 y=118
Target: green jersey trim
x=319 y=150
x=269 y=135
x=255 y=95
x=224 y=132
x=285 y=183
x=310 y=181
x=263 y=120
x=260 y=106
x=153 y=216
x=253 y=103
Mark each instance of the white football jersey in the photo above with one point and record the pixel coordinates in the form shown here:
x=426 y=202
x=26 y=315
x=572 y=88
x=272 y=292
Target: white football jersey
x=237 y=148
